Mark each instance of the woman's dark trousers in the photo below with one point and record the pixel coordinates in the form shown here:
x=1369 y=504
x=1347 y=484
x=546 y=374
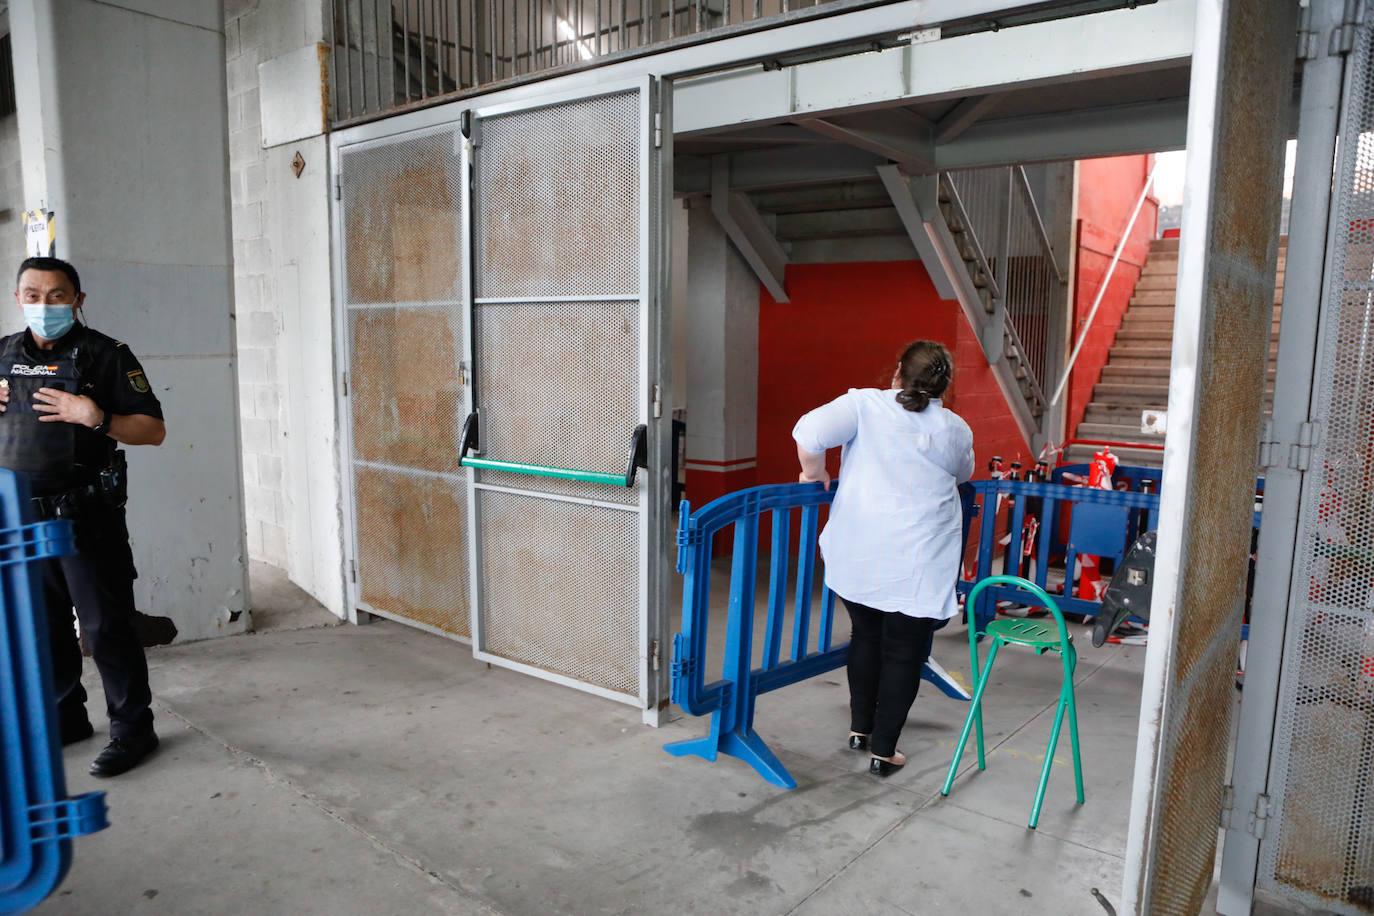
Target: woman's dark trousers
x=886 y=654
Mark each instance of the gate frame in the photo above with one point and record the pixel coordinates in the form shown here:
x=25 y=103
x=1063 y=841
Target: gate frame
x=654 y=385
x=654 y=283
x=358 y=611
x=1325 y=92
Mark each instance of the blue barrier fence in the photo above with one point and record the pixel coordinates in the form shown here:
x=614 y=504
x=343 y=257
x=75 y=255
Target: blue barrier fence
x=1102 y=523
x=730 y=700
x=37 y=819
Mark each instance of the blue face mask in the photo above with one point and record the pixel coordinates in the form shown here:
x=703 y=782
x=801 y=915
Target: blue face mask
x=47 y=322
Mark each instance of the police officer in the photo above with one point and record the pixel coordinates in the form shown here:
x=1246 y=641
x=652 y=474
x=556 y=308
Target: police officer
x=68 y=395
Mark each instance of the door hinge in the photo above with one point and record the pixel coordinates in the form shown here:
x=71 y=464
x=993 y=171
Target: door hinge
x=1267 y=445
x=343 y=384
x=655 y=656
x=1259 y=818
x=658 y=130
x=1300 y=455
x=1343 y=35
x=352 y=570
x=338 y=186
x=1228 y=806
x=658 y=401
x=463 y=372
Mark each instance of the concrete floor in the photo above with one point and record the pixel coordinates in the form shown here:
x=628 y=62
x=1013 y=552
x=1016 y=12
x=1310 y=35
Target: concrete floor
x=379 y=770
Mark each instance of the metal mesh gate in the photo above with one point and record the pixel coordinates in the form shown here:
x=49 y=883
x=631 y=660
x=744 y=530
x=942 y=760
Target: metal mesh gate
x=559 y=323
x=404 y=342
x=1319 y=845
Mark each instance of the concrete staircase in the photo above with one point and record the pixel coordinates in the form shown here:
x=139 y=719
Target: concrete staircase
x=1136 y=376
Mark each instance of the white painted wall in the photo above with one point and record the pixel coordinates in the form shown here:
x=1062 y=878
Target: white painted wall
x=282 y=289
x=122 y=132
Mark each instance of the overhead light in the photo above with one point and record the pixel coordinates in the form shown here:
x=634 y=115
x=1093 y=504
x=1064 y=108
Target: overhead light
x=566 y=32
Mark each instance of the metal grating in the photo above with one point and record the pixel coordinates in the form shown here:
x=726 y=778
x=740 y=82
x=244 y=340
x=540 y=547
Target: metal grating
x=401 y=220
x=404 y=391
x=560 y=587
x=404 y=335
x=1322 y=852
x=412 y=547
x=556 y=383
x=557 y=200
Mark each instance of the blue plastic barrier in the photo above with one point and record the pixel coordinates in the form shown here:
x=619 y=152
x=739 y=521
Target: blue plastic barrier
x=37 y=820
x=730 y=700
x=1103 y=523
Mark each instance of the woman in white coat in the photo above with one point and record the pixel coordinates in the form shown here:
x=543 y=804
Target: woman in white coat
x=894 y=541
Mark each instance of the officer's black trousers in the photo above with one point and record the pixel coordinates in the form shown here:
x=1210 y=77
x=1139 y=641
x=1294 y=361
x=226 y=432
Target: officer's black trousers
x=98 y=579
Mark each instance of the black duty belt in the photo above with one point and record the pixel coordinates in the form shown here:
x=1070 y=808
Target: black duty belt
x=68 y=503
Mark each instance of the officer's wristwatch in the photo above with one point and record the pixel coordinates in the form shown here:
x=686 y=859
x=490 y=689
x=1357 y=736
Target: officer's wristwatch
x=103 y=427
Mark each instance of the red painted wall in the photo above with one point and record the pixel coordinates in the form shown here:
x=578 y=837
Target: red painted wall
x=1107 y=192
x=845 y=328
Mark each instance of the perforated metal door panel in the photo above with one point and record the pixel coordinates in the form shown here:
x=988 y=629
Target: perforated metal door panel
x=561 y=202
x=403 y=343
x=1318 y=847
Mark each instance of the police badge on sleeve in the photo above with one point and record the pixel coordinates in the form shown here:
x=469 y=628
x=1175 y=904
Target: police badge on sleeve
x=138 y=381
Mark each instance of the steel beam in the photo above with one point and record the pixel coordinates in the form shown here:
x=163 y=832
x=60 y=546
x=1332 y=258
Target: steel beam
x=1084 y=134
x=745 y=228
x=771 y=169
x=964 y=115
x=944 y=272
x=1103 y=44
x=898 y=135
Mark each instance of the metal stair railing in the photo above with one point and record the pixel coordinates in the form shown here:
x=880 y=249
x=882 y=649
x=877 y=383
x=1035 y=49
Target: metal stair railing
x=1001 y=236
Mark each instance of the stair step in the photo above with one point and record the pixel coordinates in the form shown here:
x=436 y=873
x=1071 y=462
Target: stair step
x=1113 y=432
x=1117 y=414
x=1157 y=245
x=1137 y=351
x=1118 y=374
x=1138 y=457
x=1156 y=281
x=1132 y=334
x=1131 y=393
x=1167 y=296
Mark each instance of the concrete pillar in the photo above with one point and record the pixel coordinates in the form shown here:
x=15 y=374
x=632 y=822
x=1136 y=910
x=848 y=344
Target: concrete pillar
x=722 y=362
x=123 y=136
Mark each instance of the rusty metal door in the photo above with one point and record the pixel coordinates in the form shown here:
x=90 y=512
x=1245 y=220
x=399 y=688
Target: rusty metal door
x=403 y=340
x=565 y=216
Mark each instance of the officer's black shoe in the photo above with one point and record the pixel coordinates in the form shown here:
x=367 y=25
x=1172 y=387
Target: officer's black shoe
x=72 y=732
x=123 y=754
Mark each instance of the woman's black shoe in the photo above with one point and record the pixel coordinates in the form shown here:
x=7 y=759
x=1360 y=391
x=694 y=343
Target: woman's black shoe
x=858 y=742
x=880 y=767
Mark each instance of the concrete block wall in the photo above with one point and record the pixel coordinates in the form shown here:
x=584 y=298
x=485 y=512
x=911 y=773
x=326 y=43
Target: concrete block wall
x=282 y=296
x=258 y=320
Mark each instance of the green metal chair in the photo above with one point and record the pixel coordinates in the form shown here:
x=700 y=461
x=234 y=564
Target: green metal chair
x=1042 y=636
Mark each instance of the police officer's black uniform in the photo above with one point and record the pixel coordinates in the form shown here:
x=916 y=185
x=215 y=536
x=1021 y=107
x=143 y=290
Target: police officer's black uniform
x=77 y=473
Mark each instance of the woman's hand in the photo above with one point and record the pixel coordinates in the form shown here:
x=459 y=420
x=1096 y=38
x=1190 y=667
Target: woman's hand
x=813 y=468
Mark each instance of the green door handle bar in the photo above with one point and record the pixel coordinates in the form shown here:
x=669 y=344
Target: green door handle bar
x=639 y=458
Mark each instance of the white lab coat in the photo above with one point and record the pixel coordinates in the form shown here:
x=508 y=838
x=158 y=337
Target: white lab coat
x=894 y=540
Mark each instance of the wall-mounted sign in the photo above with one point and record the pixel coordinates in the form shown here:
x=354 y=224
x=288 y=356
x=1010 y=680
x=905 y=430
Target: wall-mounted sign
x=40 y=234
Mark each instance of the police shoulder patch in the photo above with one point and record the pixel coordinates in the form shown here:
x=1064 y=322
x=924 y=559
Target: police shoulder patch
x=138 y=381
